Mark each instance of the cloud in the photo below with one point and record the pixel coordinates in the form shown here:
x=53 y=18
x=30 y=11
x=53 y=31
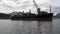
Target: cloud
x=55 y=2
x=56 y=10
x=14 y=0
x=28 y=4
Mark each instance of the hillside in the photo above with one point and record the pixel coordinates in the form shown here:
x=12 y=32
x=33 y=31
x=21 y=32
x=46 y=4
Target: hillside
x=57 y=15
x=4 y=16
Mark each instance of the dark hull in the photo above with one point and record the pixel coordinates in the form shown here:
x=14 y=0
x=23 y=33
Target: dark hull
x=43 y=17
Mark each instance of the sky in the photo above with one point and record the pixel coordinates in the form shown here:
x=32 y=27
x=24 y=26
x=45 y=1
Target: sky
x=8 y=6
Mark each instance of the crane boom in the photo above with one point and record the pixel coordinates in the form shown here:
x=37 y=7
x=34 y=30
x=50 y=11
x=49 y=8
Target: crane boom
x=35 y=4
x=38 y=9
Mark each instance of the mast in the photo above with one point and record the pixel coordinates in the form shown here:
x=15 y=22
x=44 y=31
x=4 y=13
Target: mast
x=50 y=8
x=30 y=11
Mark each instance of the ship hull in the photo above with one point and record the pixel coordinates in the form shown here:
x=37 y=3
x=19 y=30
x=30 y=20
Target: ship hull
x=44 y=17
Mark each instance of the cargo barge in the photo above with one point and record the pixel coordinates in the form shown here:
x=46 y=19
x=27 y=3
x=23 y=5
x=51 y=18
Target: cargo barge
x=42 y=15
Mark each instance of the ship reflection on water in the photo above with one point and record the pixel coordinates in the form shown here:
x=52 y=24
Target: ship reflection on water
x=25 y=27
x=34 y=27
x=44 y=27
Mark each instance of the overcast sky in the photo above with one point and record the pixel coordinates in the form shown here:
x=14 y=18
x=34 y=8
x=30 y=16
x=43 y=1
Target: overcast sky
x=8 y=6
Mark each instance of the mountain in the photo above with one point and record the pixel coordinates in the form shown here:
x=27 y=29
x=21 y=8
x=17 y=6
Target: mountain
x=4 y=16
x=57 y=15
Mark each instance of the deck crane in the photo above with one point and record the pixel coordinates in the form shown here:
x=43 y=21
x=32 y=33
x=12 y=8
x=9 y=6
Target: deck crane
x=35 y=4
